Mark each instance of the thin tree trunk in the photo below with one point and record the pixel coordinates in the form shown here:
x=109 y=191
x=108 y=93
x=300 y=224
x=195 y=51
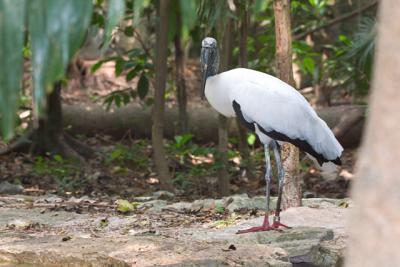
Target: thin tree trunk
x=322 y=95
x=180 y=79
x=226 y=62
x=374 y=231
x=243 y=61
x=222 y=156
x=292 y=191
x=157 y=136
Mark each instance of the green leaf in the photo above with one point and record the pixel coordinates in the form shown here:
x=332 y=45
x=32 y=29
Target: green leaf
x=126 y=206
x=131 y=74
x=128 y=31
x=96 y=66
x=259 y=6
x=189 y=17
x=143 y=86
x=173 y=26
x=108 y=102
x=313 y=2
x=115 y=12
x=251 y=139
x=11 y=46
x=135 y=52
x=181 y=140
x=219 y=209
x=309 y=65
x=119 y=66
x=99 y=63
x=55 y=37
x=125 y=98
x=117 y=100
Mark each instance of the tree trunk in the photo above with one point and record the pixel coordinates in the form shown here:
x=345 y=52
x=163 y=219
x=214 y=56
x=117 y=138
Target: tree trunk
x=322 y=95
x=290 y=154
x=375 y=235
x=242 y=7
x=49 y=137
x=50 y=129
x=180 y=79
x=226 y=62
x=222 y=156
x=157 y=136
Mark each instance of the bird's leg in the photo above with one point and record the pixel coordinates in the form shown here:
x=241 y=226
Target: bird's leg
x=265 y=226
x=281 y=175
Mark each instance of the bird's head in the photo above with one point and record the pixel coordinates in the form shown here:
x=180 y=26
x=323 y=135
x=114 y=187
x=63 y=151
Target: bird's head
x=209 y=60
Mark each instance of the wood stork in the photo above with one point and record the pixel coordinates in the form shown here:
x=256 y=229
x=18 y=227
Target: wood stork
x=271 y=108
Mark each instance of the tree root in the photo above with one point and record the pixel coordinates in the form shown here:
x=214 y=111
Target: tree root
x=20 y=145
x=64 y=145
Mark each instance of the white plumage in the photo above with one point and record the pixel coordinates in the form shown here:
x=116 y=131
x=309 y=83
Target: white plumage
x=271 y=108
x=273 y=105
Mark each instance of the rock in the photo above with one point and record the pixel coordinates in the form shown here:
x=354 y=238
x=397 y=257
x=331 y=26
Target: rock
x=206 y=204
x=49 y=199
x=318 y=238
x=326 y=202
x=162 y=194
x=11 y=189
x=19 y=224
x=153 y=205
x=143 y=199
x=244 y=202
x=179 y=206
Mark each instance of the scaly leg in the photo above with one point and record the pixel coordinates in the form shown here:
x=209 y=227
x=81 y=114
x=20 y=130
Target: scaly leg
x=281 y=175
x=265 y=226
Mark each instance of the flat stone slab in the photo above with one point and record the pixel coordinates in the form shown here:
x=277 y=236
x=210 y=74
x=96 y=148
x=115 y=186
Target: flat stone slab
x=32 y=237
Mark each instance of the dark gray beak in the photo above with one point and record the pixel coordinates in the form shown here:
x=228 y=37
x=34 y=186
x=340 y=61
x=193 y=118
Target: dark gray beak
x=203 y=83
x=204 y=58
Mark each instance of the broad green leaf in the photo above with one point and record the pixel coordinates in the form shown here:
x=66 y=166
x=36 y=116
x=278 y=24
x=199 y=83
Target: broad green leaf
x=11 y=47
x=173 y=26
x=119 y=66
x=99 y=63
x=143 y=86
x=131 y=74
x=259 y=6
x=189 y=17
x=115 y=12
x=309 y=64
x=57 y=30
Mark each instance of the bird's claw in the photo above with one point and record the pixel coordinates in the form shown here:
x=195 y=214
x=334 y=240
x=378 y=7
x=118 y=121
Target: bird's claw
x=265 y=227
x=276 y=224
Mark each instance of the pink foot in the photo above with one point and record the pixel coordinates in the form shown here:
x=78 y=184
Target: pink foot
x=277 y=224
x=264 y=227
